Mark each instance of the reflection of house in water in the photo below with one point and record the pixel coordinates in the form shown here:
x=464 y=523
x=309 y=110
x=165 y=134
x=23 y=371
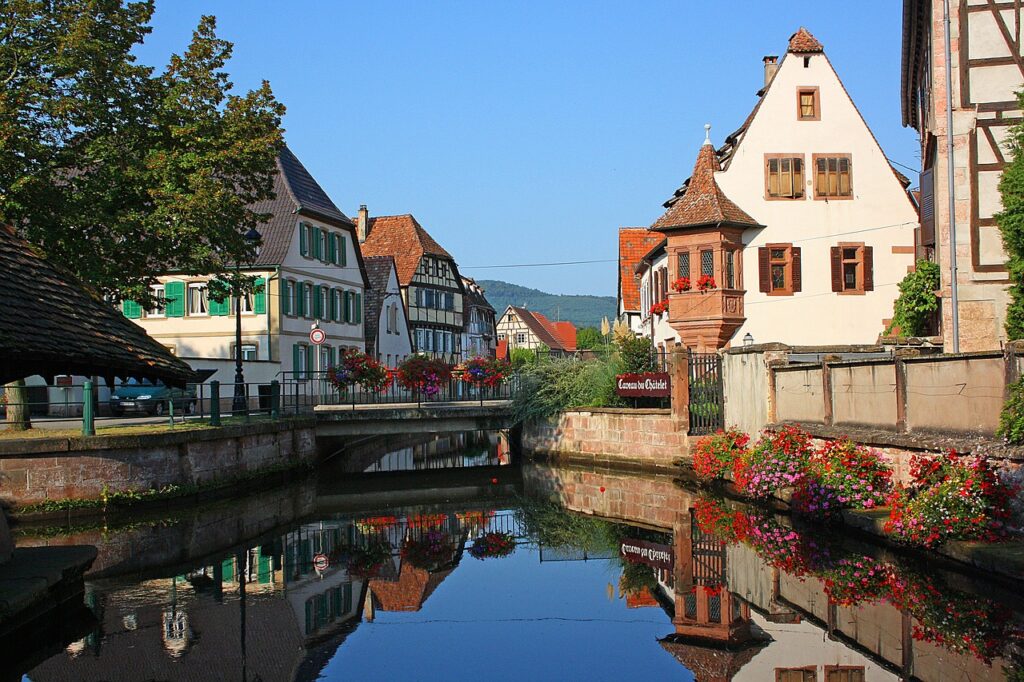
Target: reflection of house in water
x=446 y=451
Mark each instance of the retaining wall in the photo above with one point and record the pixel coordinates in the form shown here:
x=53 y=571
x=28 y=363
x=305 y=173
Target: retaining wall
x=39 y=469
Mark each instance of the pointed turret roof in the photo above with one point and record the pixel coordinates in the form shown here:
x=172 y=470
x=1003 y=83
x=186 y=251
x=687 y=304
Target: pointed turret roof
x=703 y=202
x=803 y=42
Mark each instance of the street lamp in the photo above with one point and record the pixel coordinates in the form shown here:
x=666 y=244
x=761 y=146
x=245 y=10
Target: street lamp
x=748 y=340
x=239 y=404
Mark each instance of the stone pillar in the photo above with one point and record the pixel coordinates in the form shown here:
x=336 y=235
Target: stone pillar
x=681 y=386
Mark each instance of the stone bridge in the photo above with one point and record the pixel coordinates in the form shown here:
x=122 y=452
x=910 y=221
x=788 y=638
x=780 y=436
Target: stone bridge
x=370 y=420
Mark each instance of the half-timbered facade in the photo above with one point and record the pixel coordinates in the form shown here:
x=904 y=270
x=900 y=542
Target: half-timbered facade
x=479 y=335
x=530 y=330
x=797 y=229
x=432 y=289
x=986 y=70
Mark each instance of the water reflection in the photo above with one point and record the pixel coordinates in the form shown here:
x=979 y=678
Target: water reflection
x=589 y=573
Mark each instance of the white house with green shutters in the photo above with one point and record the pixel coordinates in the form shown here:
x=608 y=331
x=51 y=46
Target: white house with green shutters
x=312 y=273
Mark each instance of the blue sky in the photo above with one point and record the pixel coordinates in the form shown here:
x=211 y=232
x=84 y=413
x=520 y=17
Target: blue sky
x=528 y=132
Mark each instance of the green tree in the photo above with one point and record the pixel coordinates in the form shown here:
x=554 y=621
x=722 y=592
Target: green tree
x=588 y=337
x=917 y=301
x=637 y=354
x=120 y=174
x=1011 y=226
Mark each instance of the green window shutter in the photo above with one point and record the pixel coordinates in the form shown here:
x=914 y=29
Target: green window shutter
x=220 y=308
x=131 y=309
x=174 y=292
x=259 y=298
x=332 y=248
x=330 y=356
x=303 y=240
x=359 y=308
x=342 y=251
x=286 y=303
x=317 y=312
x=300 y=299
x=296 y=359
x=311 y=352
x=316 y=243
x=347 y=306
x=334 y=304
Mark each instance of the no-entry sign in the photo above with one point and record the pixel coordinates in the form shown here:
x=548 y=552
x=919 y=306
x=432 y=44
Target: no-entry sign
x=317 y=336
x=321 y=562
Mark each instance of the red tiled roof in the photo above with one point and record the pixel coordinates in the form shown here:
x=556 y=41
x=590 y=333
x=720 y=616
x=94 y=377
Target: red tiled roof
x=410 y=591
x=641 y=599
x=803 y=42
x=634 y=243
x=501 y=352
x=402 y=237
x=554 y=335
x=566 y=333
x=703 y=203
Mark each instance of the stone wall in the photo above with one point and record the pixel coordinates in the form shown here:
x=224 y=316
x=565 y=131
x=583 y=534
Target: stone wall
x=39 y=469
x=647 y=438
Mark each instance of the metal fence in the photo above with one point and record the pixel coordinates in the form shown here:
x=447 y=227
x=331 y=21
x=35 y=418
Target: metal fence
x=706 y=393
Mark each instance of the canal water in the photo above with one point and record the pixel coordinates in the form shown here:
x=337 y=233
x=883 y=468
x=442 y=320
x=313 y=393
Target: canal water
x=443 y=558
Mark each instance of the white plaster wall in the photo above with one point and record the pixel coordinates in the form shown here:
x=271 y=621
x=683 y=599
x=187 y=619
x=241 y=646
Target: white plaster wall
x=817 y=315
x=395 y=345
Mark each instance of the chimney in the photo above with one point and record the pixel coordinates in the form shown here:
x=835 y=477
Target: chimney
x=771 y=65
x=363 y=224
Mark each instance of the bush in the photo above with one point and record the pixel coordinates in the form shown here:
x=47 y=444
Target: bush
x=950 y=498
x=520 y=357
x=547 y=388
x=778 y=460
x=1011 y=420
x=637 y=354
x=917 y=301
x=714 y=455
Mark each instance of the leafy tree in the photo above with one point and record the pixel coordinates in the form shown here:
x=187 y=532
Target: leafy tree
x=637 y=354
x=120 y=174
x=1011 y=225
x=588 y=337
x=917 y=300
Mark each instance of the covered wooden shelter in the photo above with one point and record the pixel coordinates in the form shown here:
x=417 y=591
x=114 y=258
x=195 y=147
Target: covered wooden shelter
x=51 y=323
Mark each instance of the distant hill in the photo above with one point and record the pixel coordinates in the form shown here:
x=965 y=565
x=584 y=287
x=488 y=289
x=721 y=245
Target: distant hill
x=582 y=311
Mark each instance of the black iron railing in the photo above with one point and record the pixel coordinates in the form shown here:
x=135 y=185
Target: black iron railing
x=706 y=394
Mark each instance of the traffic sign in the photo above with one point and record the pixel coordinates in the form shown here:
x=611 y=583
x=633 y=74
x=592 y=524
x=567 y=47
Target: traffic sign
x=321 y=562
x=317 y=336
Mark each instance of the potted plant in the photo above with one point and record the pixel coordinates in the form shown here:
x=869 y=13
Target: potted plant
x=659 y=308
x=706 y=283
x=423 y=375
x=356 y=367
x=485 y=372
x=681 y=284
x=493 y=545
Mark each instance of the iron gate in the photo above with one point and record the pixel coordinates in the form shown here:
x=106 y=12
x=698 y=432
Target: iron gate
x=706 y=396
x=708 y=556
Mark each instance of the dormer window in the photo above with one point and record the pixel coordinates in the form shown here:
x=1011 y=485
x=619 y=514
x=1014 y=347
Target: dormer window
x=808 y=108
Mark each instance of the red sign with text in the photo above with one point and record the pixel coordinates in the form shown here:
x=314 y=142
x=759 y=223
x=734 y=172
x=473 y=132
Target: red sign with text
x=646 y=385
x=650 y=553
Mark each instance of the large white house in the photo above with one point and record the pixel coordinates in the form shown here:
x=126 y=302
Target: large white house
x=311 y=272
x=799 y=218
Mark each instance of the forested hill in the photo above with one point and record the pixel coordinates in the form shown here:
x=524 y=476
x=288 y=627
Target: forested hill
x=582 y=311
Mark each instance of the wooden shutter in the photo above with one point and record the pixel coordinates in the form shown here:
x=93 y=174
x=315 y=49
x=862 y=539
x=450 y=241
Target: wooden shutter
x=222 y=307
x=346 y=306
x=317 y=307
x=334 y=304
x=284 y=286
x=869 y=269
x=837 y=268
x=927 y=208
x=359 y=308
x=174 y=292
x=131 y=309
x=797 y=275
x=316 y=244
x=296 y=361
x=764 y=270
x=342 y=251
x=332 y=248
x=303 y=240
x=259 y=296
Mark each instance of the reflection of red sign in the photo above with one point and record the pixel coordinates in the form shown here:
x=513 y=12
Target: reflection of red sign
x=317 y=336
x=64 y=380
x=320 y=562
x=650 y=553
x=646 y=385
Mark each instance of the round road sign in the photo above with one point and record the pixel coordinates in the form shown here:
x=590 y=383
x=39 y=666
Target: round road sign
x=320 y=562
x=317 y=336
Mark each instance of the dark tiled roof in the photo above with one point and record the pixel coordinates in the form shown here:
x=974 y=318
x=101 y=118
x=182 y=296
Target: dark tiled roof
x=710 y=660
x=474 y=295
x=402 y=237
x=703 y=203
x=634 y=243
x=378 y=268
x=52 y=324
x=802 y=42
x=297 y=194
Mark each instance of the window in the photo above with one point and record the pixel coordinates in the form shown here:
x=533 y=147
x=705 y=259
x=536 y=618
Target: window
x=730 y=269
x=779 y=269
x=325 y=304
x=248 y=351
x=832 y=176
x=784 y=176
x=245 y=303
x=300 y=360
x=683 y=264
x=852 y=266
x=844 y=673
x=339 y=313
x=198 y=300
x=304 y=234
x=809 y=674
x=707 y=263
x=321 y=249
x=159 y=295
x=807 y=108
x=520 y=337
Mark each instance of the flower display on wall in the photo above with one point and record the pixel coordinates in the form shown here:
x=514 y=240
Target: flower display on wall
x=681 y=284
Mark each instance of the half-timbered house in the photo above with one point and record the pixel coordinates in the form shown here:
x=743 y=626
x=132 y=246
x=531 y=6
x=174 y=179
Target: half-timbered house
x=431 y=286
x=530 y=330
x=986 y=69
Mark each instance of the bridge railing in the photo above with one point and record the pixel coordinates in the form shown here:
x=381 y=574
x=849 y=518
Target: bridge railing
x=302 y=391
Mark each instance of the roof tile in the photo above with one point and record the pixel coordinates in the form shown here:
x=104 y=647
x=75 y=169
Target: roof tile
x=802 y=42
x=403 y=238
x=634 y=243
x=703 y=202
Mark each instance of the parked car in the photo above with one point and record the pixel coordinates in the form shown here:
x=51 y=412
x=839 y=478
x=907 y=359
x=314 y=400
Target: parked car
x=151 y=398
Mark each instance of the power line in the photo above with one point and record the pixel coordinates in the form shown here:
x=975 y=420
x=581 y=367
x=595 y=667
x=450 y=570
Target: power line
x=903 y=165
x=538 y=265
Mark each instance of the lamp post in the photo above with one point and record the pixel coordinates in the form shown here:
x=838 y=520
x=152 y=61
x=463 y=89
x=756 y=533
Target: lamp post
x=748 y=339
x=239 y=404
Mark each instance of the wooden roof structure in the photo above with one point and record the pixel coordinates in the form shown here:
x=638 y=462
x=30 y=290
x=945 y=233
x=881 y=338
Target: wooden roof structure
x=50 y=323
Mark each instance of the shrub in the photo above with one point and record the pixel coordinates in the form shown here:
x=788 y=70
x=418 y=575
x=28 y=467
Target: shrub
x=779 y=460
x=917 y=300
x=951 y=498
x=637 y=355
x=718 y=453
x=1011 y=420
x=520 y=357
x=547 y=388
x=423 y=374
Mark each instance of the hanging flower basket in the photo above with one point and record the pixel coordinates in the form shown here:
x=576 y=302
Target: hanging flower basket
x=492 y=546
x=433 y=549
x=486 y=372
x=682 y=284
x=356 y=367
x=424 y=375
